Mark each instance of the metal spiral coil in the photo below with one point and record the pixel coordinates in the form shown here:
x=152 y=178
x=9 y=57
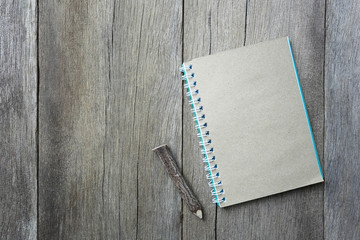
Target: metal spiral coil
x=205 y=160
x=205 y=143
x=215 y=176
x=215 y=184
x=217 y=200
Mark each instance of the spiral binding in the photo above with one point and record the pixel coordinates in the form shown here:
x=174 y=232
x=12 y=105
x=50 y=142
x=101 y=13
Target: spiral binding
x=211 y=167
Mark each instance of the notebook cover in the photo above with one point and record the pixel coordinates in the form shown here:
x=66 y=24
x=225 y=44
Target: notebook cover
x=257 y=120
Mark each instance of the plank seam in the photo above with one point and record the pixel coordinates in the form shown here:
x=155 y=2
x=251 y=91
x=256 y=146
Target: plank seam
x=37 y=116
x=324 y=105
x=182 y=113
x=246 y=19
x=135 y=97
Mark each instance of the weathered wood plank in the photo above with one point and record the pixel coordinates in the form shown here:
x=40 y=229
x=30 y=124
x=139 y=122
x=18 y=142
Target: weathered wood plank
x=297 y=214
x=109 y=93
x=74 y=39
x=209 y=27
x=157 y=114
x=18 y=114
x=122 y=138
x=143 y=111
x=342 y=120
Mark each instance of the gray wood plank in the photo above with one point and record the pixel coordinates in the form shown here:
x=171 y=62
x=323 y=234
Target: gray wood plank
x=157 y=117
x=74 y=63
x=121 y=137
x=18 y=114
x=296 y=214
x=109 y=93
x=209 y=27
x=121 y=142
x=144 y=111
x=342 y=120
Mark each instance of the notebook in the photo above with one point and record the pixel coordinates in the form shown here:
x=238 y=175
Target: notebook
x=252 y=122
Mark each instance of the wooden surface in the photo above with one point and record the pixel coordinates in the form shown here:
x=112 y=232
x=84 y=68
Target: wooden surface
x=342 y=121
x=88 y=88
x=18 y=120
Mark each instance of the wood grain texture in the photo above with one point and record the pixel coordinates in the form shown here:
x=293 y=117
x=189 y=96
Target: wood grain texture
x=209 y=27
x=109 y=92
x=74 y=40
x=173 y=170
x=143 y=110
x=18 y=112
x=296 y=214
x=342 y=122
x=121 y=138
x=157 y=115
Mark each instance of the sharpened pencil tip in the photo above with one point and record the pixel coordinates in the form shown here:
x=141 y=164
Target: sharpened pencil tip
x=199 y=214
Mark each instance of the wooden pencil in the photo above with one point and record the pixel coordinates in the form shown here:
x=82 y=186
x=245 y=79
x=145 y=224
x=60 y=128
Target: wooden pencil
x=171 y=167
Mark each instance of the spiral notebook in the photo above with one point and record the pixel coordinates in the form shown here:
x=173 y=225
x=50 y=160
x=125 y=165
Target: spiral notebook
x=253 y=125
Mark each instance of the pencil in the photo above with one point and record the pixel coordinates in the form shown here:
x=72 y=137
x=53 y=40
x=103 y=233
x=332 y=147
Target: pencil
x=171 y=167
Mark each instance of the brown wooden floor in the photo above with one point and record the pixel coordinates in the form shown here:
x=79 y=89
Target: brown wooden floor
x=88 y=88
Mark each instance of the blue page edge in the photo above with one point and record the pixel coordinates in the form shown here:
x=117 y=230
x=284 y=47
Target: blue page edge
x=307 y=115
